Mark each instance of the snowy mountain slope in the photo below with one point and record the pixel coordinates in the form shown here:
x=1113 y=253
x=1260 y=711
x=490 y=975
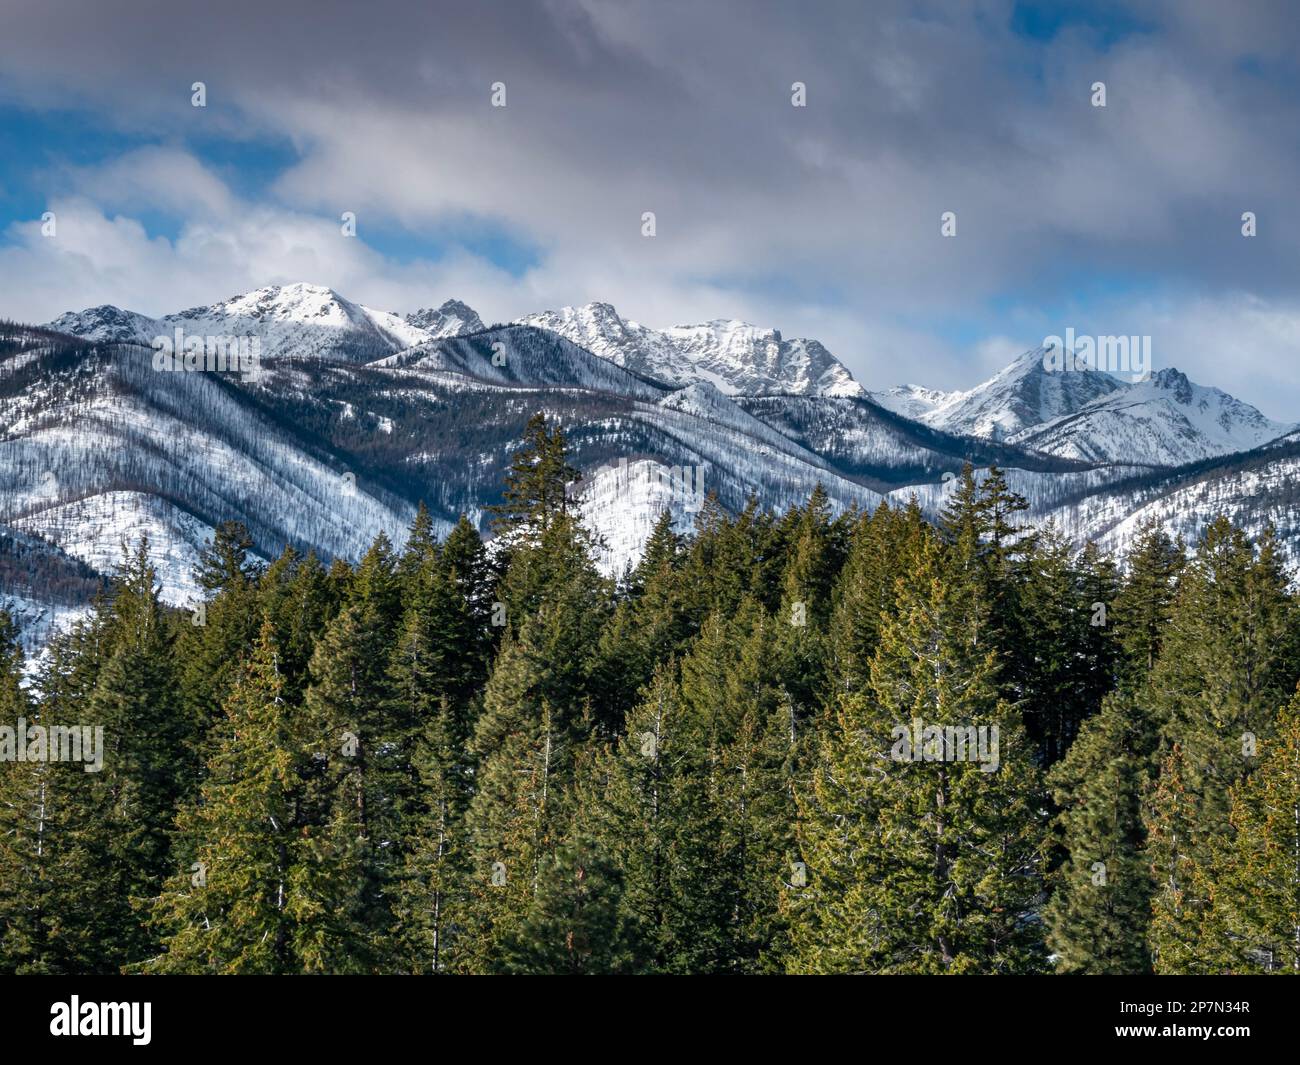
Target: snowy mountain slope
x=360 y=415
x=524 y=355
x=108 y=324
x=704 y=401
x=41 y=586
x=96 y=445
x=625 y=499
x=1091 y=416
x=452 y=319
x=882 y=449
x=1023 y=394
x=1163 y=421
x=734 y=357
x=1252 y=496
x=1108 y=504
x=82 y=529
x=298 y=320
x=301 y=320
x=91 y=423
x=911 y=401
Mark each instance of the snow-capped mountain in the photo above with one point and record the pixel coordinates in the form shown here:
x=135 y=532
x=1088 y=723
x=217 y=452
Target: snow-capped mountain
x=1165 y=420
x=108 y=324
x=736 y=358
x=301 y=320
x=452 y=319
x=289 y=320
x=1024 y=394
x=912 y=401
x=1092 y=416
x=361 y=415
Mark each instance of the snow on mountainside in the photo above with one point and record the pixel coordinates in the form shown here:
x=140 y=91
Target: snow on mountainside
x=1022 y=395
x=1091 y=416
x=94 y=527
x=911 y=401
x=1163 y=421
x=95 y=445
x=288 y=320
x=625 y=499
x=108 y=324
x=300 y=320
x=452 y=319
x=734 y=357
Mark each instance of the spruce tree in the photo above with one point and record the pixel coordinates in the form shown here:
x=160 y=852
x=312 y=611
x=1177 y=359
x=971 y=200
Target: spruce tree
x=56 y=904
x=24 y=892
x=1227 y=662
x=925 y=861
x=1256 y=870
x=1100 y=909
x=152 y=749
x=649 y=818
x=536 y=488
x=512 y=826
x=1099 y=916
x=268 y=883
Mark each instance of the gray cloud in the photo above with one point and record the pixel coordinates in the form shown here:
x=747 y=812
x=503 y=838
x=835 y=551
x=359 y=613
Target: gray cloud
x=822 y=220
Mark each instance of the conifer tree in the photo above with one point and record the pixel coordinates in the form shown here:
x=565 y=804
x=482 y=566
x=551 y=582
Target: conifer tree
x=152 y=747
x=512 y=826
x=368 y=738
x=420 y=550
x=649 y=626
x=55 y=907
x=269 y=884
x=432 y=888
x=1062 y=658
x=1100 y=909
x=221 y=628
x=650 y=820
x=879 y=549
x=1140 y=615
x=1227 y=662
x=536 y=489
x=930 y=865
x=1256 y=870
x=813 y=562
x=24 y=891
x=1099 y=916
x=745 y=739
x=574 y=925
x=298 y=597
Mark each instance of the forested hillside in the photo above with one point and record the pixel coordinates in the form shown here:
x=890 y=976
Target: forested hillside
x=739 y=757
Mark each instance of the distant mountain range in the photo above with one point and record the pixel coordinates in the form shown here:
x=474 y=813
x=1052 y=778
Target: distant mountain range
x=360 y=414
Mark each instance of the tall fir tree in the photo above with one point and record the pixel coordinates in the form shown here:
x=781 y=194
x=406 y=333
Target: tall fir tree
x=923 y=861
x=1099 y=915
x=268 y=882
x=1227 y=662
x=1256 y=870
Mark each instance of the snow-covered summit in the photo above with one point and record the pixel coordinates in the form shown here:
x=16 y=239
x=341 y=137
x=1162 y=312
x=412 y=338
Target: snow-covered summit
x=452 y=319
x=735 y=357
x=299 y=319
x=1021 y=395
x=107 y=324
x=1090 y=415
x=1166 y=420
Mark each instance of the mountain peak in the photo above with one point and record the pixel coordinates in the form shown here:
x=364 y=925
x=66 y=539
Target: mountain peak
x=1175 y=381
x=453 y=318
x=107 y=324
x=735 y=357
x=1028 y=391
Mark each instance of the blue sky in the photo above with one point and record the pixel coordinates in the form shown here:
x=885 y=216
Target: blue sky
x=821 y=221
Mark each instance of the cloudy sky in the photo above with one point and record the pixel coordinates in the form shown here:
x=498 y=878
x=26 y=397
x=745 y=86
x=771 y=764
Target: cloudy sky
x=822 y=221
